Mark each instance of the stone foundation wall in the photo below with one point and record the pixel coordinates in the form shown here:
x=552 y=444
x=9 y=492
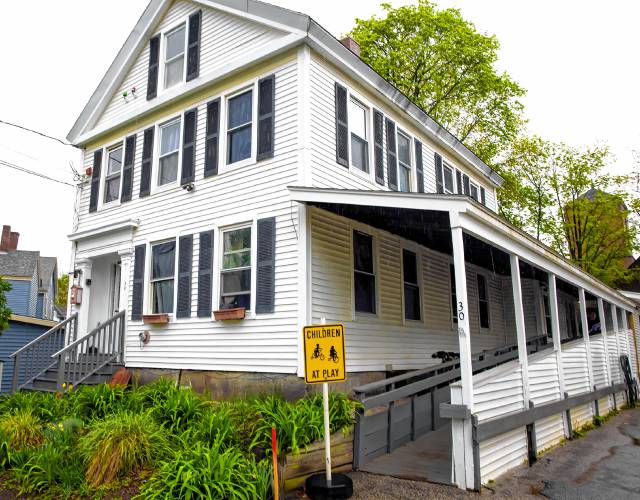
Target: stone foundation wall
x=231 y=385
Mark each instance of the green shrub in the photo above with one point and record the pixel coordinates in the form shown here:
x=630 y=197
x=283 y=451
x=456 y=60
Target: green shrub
x=119 y=443
x=177 y=408
x=46 y=406
x=54 y=466
x=217 y=424
x=299 y=424
x=22 y=429
x=207 y=471
x=90 y=402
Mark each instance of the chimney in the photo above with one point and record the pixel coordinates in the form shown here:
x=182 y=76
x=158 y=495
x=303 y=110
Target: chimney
x=351 y=44
x=8 y=240
x=5 y=239
x=13 y=241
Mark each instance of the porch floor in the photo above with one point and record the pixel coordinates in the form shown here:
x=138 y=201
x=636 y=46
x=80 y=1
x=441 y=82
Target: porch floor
x=425 y=459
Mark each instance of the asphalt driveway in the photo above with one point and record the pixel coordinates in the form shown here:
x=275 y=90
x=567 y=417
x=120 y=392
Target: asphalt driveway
x=605 y=464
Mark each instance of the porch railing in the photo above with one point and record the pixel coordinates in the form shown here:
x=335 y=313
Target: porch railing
x=424 y=390
x=87 y=355
x=34 y=359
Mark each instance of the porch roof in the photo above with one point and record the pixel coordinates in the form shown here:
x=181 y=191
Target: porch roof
x=443 y=212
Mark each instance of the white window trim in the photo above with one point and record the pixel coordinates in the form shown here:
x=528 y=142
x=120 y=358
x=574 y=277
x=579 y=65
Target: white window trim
x=417 y=250
x=487 y=300
x=412 y=177
x=223 y=165
x=359 y=315
x=155 y=187
x=473 y=184
x=369 y=132
x=161 y=59
x=447 y=165
x=217 y=267
x=148 y=305
x=103 y=176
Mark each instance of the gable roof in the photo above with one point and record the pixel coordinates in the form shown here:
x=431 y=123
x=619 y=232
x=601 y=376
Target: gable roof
x=303 y=29
x=48 y=267
x=22 y=263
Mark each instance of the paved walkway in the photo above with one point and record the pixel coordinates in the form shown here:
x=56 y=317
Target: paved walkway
x=605 y=464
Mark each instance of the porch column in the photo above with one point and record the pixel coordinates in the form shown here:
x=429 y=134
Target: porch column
x=603 y=329
x=520 y=328
x=125 y=269
x=614 y=318
x=557 y=344
x=462 y=429
x=585 y=334
x=84 y=267
x=625 y=328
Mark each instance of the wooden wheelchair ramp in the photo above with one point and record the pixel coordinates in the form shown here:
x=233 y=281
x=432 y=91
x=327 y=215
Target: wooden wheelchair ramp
x=428 y=458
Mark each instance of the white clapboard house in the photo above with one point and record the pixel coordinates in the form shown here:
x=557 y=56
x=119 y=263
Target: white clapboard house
x=248 y=174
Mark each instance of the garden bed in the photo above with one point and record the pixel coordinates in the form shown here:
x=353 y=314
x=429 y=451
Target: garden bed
x=161 y=441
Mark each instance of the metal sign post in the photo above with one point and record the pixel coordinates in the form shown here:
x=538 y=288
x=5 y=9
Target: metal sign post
x=324 y=362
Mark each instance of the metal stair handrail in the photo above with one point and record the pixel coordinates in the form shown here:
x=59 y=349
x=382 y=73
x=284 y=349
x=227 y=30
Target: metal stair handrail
x=34 y=358
x=85 y=356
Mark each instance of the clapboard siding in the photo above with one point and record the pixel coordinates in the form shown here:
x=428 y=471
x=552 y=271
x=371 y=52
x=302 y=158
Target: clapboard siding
x=598 y=361
x=327 y=173
x=268 y=342
x=614 y=363
x=224 y=37
x=13 y=338
x=576 y=378
x=19 y=297
x=377 y=342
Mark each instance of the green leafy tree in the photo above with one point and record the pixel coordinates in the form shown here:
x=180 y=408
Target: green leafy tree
x=5 y=312
x=62 y=290
x=444 y=65
x=593 y=223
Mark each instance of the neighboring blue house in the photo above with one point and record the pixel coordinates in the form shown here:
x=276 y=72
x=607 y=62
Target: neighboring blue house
x=21 y=331
x=33 y=278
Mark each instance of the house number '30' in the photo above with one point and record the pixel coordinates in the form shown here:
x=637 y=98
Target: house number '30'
x=460 y=311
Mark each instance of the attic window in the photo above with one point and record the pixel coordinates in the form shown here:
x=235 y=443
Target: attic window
x=174 y=56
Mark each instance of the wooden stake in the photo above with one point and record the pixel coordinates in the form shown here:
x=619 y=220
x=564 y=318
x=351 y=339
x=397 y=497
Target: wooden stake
x=274 y=453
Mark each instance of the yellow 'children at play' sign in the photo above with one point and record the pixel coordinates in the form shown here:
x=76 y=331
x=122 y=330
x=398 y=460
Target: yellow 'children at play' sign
x=324 y=353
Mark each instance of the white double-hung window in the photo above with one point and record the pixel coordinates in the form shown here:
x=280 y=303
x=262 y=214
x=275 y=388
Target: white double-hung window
x=359 y=144
x=163 y=262
x=169 y=152
x=174 y=50
x=235 y=274
x=113 y=174
x=447 y=176
x=239 y=127
x=404 y=162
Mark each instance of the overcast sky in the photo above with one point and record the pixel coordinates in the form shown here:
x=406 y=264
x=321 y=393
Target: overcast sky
x=577 y=59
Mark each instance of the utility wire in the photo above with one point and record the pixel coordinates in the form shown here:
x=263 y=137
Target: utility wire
x=32 y=172
x=64 y=143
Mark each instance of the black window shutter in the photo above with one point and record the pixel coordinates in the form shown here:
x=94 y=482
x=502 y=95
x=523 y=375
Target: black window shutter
x=419 y=167
x=193 y=49
x=465 y=183
x=342 y=127
x=147 y=160
x=392 y=156
x=211 y=141
x=459 y=182
x=205 y=270
x=189 y=146
x=437 y=160
x=185 y=253
x=266 y=116
x=138 y=283
x=483 y=196
x=95 y=180
x=127 y=168
x=266 y=276
x=154 y=64
x=378 y=148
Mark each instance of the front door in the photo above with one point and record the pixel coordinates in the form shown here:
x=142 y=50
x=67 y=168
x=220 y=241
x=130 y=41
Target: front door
x=114 y=299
